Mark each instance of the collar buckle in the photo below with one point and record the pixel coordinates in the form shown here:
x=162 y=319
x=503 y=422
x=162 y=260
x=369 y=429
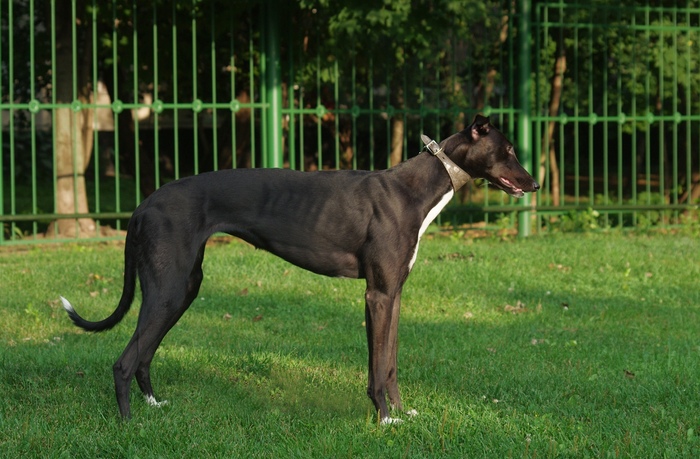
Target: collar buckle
x=432 y=146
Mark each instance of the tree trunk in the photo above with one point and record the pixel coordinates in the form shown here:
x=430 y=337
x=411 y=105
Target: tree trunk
x=397 y=130
x=692 y=193
x=74 y=130
x=548 y=146
x=72 y=157
x=695 y=189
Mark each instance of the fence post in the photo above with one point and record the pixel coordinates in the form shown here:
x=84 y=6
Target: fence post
x=524 y=143
x=273 y=85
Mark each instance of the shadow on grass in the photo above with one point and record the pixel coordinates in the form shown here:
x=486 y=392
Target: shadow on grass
x=286 y=358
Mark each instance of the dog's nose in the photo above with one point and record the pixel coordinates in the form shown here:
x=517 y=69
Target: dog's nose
x=535 y=186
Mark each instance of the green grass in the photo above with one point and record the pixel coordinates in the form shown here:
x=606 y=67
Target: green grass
x=583 y=345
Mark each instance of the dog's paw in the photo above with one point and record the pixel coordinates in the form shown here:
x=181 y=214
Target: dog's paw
x=151 y=400
x=388 y=420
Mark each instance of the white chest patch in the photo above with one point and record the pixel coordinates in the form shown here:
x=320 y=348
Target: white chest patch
x=428 y=220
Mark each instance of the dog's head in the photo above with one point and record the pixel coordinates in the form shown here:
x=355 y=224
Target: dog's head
x=483 y=152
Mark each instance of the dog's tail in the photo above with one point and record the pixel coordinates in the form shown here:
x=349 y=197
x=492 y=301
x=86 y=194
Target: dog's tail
x=124 y=303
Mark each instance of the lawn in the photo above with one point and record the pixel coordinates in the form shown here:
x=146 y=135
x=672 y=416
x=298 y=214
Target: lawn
x=584 y=345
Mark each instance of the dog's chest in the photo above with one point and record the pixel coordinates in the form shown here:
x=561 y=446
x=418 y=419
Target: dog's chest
x=428 y=220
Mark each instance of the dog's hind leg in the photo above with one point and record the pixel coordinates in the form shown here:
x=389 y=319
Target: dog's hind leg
x=160 y=311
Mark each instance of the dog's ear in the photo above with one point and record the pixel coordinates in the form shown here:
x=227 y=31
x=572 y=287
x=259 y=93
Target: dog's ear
x=480 y=127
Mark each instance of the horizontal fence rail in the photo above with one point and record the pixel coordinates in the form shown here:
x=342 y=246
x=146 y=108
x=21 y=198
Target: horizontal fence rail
x=101 y=103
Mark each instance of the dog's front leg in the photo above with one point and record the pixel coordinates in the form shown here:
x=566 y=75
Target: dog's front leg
x=378 y=318
x=392 y=377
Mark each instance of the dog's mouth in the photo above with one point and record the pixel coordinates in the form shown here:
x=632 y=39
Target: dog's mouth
x=509 y=187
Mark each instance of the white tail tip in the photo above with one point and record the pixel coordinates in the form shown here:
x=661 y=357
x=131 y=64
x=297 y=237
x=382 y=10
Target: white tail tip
x=66 y=305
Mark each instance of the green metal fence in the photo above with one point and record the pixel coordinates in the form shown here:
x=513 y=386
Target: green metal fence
x=103 y=102
x=621 y=141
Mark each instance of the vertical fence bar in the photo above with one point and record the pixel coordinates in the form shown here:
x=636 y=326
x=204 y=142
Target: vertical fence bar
x=676 y=123
x=116 y=108
x=591 y=114
x=697 y=157
x=577 y=123
x=74 y=113
x=292 y=139
x=319 y=113
x=633 y=110
x=32 y=95
x=11 y=113
x=370 y=89
x=95 y=111
x=421 y=98
x=406 y=107
x=302 y=136
x=2 y=170
x=135 y=114
x=273 y=83
x=606 y=125
x=541 y=41
x=214 y=113
x=620 y=125
x=156 y=97
x=562 y=131
x=196 y=103
x=251 y=80
x=524 y=126
x=54 y=178
x=389 y=133
x=688 y=111
x=262 y=20
x=355 y=111
x=649 y=112
x=176 y=110
x=662 y=123
x=234 y=105
x=336 y=117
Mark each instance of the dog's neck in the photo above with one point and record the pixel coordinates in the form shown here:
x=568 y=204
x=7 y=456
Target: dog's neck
x=458 y=176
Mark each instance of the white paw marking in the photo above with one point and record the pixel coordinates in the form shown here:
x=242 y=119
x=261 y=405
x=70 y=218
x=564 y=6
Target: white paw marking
x=387 y=420
x=151 y=400
x=66 y=304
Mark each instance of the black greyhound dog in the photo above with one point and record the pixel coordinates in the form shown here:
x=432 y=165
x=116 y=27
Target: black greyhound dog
x=355 y=224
